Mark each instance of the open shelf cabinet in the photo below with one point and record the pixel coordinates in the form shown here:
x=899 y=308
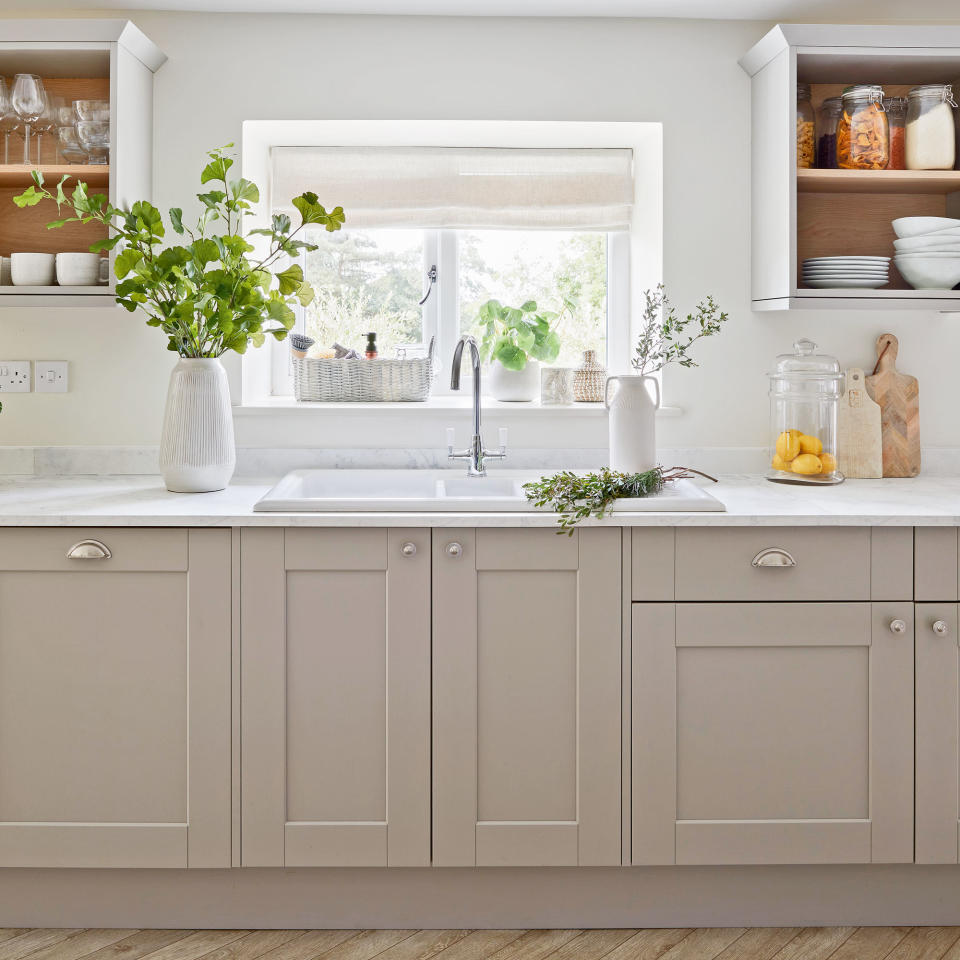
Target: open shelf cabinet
x=798 y=214
x=77 y=59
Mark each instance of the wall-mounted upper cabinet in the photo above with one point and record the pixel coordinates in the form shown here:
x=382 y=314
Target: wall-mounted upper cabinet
x=799 y=214
x=111 y=63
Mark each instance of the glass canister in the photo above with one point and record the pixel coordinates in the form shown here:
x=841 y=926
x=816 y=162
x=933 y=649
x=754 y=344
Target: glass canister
x=862 y=132
x=896 y=109
x=805 y=127
x=827 y=119
x=805 y=390
x=931 y=132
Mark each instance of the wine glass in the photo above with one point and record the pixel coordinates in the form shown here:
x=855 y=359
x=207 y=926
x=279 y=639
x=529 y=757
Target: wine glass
x=8 y=119
x=46 y=123
x=28 y=101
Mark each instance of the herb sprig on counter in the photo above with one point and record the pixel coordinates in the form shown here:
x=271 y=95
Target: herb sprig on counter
x=576 y=497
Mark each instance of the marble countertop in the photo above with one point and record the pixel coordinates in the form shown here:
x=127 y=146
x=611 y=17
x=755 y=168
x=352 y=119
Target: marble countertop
x=750 y=501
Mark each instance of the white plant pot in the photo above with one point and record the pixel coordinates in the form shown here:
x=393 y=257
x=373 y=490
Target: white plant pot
x=197 y=450
x=520 y=385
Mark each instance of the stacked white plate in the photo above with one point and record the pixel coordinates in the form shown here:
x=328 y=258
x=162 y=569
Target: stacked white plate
x=867 y=273
x=928 y=252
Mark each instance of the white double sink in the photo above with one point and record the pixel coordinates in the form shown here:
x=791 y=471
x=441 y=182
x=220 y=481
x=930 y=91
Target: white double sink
x=446 y=491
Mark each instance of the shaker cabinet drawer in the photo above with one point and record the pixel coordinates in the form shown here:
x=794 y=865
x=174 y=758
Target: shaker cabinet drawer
x=773 y=563
x=84 y=549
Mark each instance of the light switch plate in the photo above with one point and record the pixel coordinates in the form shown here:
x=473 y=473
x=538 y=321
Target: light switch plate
x=51 y=376
x=14 y=376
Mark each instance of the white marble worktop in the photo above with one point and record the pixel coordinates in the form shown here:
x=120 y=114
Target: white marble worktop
x=750 y=501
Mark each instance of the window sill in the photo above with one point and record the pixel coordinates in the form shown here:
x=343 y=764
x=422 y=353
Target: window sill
x=442 y=404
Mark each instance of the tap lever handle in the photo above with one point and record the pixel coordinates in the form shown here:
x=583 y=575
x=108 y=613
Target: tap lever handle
x=451 y=436
x=503 y=440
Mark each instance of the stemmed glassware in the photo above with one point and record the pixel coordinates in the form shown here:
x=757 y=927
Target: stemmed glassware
x=28 y=100
x=46 y=123
x=8 y=119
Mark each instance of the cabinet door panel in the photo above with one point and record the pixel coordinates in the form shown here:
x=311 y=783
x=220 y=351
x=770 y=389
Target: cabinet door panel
x=772 y=733
x=527 y=698
x=115 y=705
x=938 y=736
x=336 y=698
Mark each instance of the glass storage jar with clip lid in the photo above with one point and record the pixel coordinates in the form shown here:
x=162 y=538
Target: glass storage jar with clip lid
x=805 y=390
x=863 y=137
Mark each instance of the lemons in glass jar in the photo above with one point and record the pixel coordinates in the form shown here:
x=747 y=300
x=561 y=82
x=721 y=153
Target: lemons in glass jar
x=788 y=445
x=829 y=462
x=810 y=444
x=778 y=463
x=807 y=464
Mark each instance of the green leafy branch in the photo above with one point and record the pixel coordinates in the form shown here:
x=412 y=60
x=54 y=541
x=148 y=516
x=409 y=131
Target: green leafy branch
x=514 y=334
x=663 y=338
x=575 y=497
x=212 y=293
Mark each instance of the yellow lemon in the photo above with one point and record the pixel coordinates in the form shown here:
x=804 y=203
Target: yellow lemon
x=778 y=463
x=788 y=444
x=829 y=462
x=807 y=464
x=810 y=444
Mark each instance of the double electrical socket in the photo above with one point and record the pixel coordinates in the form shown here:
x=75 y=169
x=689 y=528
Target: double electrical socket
x=16 y=376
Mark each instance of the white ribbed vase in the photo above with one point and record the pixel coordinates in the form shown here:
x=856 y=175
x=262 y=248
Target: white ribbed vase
x=197 y=451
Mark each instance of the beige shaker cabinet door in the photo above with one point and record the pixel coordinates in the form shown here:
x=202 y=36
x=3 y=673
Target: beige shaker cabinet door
x=115 y=731
x=773 y=733
x=335 y=694
x=938 y=738
x=527 y=697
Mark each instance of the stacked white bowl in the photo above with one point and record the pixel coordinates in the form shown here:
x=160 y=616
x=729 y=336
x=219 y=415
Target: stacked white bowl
x=928 y=252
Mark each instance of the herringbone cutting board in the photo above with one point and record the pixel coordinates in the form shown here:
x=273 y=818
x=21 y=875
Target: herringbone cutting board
x=859 y=437
x=899 y=398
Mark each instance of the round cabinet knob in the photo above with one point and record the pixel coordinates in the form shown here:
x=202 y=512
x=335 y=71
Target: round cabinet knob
x=409 y=549
x=897 y=626
x=940 y=628
x=454 y=550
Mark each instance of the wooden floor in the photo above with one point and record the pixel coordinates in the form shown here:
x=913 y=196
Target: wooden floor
x=718 y=943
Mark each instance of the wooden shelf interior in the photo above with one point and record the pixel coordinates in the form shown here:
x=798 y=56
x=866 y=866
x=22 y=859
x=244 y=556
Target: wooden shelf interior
x=850 y=212
x=25 y=230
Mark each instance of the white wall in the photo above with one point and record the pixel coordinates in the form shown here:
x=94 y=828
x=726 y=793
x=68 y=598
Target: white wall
x=224 y=69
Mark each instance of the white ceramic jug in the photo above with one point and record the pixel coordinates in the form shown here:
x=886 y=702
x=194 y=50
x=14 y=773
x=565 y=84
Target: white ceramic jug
x=633 y=410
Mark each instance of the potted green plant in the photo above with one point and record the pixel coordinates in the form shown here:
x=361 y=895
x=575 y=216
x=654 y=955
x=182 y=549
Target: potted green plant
x=514 y=341
x=212 y=293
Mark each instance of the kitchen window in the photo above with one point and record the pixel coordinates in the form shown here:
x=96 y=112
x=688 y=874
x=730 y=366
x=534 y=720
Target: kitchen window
x=436 y=225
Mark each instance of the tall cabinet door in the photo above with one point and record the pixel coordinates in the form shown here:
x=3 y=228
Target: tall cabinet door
x=527 y=697
x=772 y=733
x=938 y=736
x=115 y=726
x=335 y=659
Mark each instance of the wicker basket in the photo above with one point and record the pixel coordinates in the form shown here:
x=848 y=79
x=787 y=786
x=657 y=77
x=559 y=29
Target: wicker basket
x=363 y=381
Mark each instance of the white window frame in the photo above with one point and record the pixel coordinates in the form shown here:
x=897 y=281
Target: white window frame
x=634 y=258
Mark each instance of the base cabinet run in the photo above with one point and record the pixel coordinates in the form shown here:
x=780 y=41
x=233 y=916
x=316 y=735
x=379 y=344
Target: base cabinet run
x=115 y=698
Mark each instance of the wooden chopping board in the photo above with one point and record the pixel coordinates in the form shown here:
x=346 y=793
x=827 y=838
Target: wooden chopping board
x=859 y=440
x=899 y=398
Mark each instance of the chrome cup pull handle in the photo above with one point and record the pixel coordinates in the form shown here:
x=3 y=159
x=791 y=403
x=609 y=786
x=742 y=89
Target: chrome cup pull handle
x=774 y=557
x=89 y=550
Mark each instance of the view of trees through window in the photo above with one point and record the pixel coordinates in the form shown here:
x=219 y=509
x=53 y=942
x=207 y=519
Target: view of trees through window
x=373 y=279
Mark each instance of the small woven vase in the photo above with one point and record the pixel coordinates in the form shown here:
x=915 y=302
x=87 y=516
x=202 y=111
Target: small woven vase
x=590 y=379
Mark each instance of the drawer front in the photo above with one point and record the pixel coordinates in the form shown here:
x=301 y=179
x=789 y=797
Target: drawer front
x=86 y=549
x=806 y=563
x=936 y=567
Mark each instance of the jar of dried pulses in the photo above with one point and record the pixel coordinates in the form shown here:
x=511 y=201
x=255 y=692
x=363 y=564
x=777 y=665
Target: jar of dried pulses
x=830 y=111
x=931 y=137
x=805 y=127
x=896 y=109
x=863 y=136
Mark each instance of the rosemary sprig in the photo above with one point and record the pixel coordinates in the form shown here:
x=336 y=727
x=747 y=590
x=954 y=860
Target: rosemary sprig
x=575 y=497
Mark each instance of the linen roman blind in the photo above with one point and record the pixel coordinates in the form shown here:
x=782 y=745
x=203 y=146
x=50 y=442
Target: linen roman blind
x=462 y=187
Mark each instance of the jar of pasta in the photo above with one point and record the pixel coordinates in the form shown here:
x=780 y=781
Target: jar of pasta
x=862 y=131
x=805 y=127
x=931 y=137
